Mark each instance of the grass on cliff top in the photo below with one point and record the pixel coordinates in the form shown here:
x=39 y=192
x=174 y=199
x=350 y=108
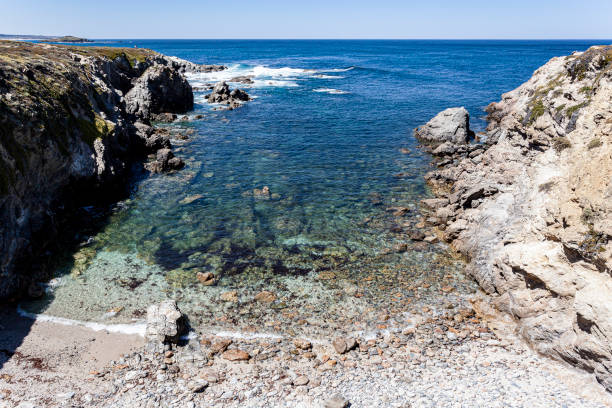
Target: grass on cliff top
x=131 y=54
x=17 y=51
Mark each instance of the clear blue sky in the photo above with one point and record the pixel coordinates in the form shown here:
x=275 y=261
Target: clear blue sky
x=590 y=19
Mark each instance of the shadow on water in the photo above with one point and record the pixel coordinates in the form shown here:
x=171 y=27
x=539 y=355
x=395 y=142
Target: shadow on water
x=83 y=213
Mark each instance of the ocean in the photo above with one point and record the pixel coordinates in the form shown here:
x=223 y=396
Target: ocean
x=329 y=132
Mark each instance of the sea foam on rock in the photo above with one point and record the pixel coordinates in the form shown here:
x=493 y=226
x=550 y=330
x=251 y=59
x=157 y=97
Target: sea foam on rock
x=222 y=94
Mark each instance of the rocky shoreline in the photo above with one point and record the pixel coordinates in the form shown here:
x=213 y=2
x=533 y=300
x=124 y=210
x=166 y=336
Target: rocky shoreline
x=500 y=202
x=423 y=363
x=531 y=205
x=73 y=121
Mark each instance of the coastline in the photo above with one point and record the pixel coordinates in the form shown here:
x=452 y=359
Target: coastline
x=56 y=365
x=530 y=205
x=426 y=363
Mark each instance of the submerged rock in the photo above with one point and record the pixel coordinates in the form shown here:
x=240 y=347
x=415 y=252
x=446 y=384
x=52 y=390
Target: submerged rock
x=265 y=297
x=263 y=193
x=206 y=278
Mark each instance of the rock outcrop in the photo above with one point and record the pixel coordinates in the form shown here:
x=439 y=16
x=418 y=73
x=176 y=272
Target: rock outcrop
x=532 y=206
x=165 y=324
x=222 y=94
x=164 y=161
x=72 y=120
x=449 y=126
x=159 y=89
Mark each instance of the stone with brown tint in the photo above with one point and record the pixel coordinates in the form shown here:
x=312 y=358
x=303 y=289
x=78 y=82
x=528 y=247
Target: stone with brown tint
x=236 y=355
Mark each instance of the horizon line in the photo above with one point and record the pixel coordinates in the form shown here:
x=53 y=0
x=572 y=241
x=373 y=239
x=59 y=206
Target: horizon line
x=353 y=39
x=324 y=38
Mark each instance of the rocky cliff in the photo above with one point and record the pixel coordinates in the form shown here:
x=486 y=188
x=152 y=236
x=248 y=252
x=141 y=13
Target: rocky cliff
x=531 y=205
x=72 y=119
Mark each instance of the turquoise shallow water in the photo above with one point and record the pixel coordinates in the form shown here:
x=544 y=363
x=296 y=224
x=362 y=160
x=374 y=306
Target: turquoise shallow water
x=329 y=133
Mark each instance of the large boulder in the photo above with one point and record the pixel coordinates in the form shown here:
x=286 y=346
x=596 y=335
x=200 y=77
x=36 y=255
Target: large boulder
x=165 y=323
x=451 y=125
x=160 y=89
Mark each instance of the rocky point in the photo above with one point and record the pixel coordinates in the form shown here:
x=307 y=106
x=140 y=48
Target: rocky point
x=531 y=205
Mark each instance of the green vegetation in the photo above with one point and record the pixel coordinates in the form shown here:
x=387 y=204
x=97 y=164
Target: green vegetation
x=572 y=109
x=587 y=216
x=537 y=110
x=561 y=143
x=559 y=108
x=94 y=129
x=594 y=242
x=585 y=90
x=596 y=142
x=132 y=55
x=536 y=104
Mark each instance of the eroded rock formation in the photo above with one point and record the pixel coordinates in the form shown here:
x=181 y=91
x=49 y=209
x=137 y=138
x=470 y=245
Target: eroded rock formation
x=222 y=94
x=72 y=119
x=532 y=206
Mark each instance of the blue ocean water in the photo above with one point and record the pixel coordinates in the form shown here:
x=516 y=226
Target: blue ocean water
x=330 y=134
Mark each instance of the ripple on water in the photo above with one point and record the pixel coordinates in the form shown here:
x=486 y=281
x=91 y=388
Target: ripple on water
x=288 y=195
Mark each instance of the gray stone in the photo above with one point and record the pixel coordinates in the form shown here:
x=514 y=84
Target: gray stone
x=165 y=323
x=451 y=125
x=336 y=402
x=159 y=90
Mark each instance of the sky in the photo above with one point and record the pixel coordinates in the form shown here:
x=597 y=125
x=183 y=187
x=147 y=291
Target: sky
x=457 y=19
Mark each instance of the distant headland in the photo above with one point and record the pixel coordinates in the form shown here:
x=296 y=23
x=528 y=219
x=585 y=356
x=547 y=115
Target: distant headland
x=45 y=38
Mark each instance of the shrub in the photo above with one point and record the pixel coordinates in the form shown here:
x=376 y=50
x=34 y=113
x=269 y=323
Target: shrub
x=594 y=143
x=537 y=110
x=561 y=143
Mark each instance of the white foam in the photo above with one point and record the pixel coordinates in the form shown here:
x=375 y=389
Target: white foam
x=323 y=76
x=261 y=70
x=337 y=69
x=330 y=91
x=261 y=75
x=132 y=328
x=247 y=336
x=264 y=83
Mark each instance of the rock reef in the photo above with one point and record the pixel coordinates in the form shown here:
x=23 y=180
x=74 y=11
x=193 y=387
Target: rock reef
x=222 y=94
x=72 y=120
x=531 y=206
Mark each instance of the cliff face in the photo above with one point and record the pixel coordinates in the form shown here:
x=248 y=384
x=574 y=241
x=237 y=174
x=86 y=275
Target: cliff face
x=71 y=121
x=532 y=207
